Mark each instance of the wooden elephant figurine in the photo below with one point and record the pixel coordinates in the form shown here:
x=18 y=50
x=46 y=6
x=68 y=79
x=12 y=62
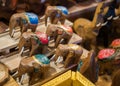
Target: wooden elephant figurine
x=56 y=13
x=71 y=54
x=4 y=74
x=59 y=32
x=36 y=67
x=36 y=42
x=89 y=67
x=109 y=60
x=24 y=20
x=88 y=30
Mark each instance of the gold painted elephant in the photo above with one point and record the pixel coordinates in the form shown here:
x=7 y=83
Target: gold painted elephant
x=88 y=30
x=59 y=32
x=71 y=54
x=23 y=20
x=36 y=42
x=36 y=67
x=56 y=13
x=89 y=67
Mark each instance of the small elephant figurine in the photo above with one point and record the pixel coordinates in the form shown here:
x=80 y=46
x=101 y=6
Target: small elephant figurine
x=4 y=74
x=71 y=54
x=59 y=32
x=37 y=42
x=56 y=13
x=109 y=60
x=24 y=20
x=36 y=67
x=89 y=67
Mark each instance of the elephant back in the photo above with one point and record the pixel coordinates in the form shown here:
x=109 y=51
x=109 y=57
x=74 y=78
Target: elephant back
x=63 y=9
x=43 y=38
x=41 y=59
x=32 y=18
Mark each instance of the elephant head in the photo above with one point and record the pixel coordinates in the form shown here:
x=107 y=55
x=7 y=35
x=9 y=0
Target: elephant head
x=59 y=33
x=36 y=66
x=70 y=53
x=56 y=13
x=24 y=21
x=37 y=43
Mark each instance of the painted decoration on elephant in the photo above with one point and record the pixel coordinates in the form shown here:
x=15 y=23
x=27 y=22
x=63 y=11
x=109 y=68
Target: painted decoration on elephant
x=43 y=38
x=41 y=59
x=115 y=43
x=106 y=53
x=33 y=18
x=63 y=9
x=67 y=28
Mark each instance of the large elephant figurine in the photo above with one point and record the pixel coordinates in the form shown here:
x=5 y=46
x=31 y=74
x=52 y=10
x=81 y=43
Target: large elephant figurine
x=56 y=13
x=59 y=32
x=24 y=20
x=36 y=67
x=71 y=54
x=89 y=67
x=36 y=42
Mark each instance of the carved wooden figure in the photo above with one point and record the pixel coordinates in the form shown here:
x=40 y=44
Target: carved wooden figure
x=24 y=21
x=71 y=54
x=86 y=28
x=36 y=42
x=36 y=67
x=56 y=13
x=4 y=74
x=89 y=67
x=59 y=32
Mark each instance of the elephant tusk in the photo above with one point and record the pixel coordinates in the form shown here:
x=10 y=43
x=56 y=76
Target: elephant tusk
x=21 y=50
x=48 y=37
x=98 y=25
x=115 y=18
x=15 y=73
x=61 y=40
x=60 y=59
x=42 y=17
x=12 y=32
x=109 y=18
x=23 y=76
x=104 y=23
x=52 y=57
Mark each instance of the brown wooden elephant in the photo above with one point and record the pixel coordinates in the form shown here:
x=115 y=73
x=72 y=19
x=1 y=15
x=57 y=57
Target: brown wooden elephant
x=88 y=30
x=59 y=32
x=36 y=67
x=23 y=20
x=71 y=54
x=89 y=67
x=56 y=13
x=36 y=42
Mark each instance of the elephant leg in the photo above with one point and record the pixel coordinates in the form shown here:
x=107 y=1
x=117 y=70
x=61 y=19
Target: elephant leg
x=58 y=40
x=33 y=49
x=55 y=21
x=24 y=29
x=62 y=20
x=69 y=59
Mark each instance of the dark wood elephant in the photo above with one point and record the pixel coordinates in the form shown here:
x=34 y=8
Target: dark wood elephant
x=36 y=67
x=109 y=60
x=59 y=32
x=36 y=42
x=23 y=20
x=71 y=54
x=89 y=67
x=56 y=13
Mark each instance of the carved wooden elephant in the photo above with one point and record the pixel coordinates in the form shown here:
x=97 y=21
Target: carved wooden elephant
x=88 y=30
x=56 y=13
x=71 y=54
x=36 y=67
x=59 y=32
x=109 y=60
x=36 y=42
x=24 y=21
x=89 y=67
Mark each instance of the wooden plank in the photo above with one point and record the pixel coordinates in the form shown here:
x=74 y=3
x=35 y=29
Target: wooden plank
x=11 y=82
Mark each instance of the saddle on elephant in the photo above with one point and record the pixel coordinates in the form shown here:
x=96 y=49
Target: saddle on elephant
x=115 y=43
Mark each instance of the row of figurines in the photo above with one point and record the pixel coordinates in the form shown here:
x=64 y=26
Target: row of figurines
x=85 y=28
x=38 y=66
